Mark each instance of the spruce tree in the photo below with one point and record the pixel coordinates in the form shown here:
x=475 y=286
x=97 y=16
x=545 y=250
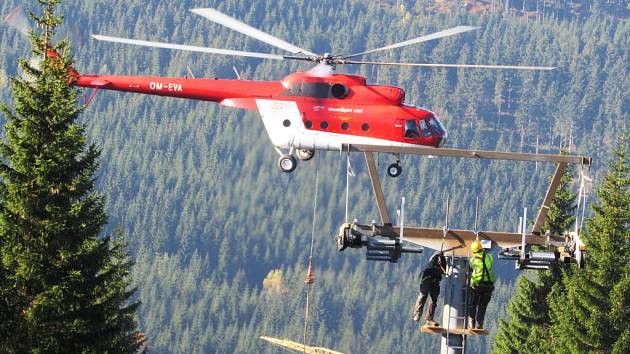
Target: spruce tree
x=63 y=287
x=527 y=329
x=592 y=312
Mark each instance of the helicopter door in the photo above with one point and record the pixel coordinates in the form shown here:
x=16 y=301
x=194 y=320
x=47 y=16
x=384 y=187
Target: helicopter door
x=282 y=120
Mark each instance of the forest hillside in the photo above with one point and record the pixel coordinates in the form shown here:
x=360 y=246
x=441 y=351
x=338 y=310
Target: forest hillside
x=221 y=237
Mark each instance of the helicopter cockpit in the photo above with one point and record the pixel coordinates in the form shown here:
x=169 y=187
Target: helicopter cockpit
x=428 y=131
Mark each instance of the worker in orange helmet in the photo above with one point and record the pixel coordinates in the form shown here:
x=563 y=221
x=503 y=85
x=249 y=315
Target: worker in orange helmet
x=481 y=285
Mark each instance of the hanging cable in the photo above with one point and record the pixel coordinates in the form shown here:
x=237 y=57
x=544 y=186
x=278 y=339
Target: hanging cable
x=582 y=199
x=445 y=228
x=309 y=272
x=349 y=173
x=477 y=220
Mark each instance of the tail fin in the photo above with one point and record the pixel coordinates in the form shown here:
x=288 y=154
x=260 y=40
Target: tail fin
x=17 y=19
x=52 y=53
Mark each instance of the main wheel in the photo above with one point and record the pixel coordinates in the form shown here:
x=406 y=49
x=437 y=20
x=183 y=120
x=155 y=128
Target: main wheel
x=304 y=154
x=394 y=170
x=287 y=163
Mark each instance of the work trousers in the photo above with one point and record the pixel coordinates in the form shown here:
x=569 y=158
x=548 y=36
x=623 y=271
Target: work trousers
x=477 y=303
x=431 y=290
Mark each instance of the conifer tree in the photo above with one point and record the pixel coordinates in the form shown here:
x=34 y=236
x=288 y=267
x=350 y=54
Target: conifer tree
x=527 y=329
x=592 y=315
x=63 y=288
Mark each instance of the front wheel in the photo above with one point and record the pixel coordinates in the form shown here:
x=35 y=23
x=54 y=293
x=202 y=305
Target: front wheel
x=287 y=163
x=394 y=170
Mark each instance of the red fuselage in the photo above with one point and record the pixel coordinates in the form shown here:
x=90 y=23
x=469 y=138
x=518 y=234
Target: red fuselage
x=338 y=105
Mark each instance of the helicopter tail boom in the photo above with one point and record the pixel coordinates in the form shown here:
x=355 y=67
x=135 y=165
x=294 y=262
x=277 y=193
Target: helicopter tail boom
x=214 y=90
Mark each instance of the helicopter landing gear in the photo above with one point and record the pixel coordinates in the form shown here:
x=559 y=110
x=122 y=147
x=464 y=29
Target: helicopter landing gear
x=394 y=170
x=304 y=154
x=287 y=163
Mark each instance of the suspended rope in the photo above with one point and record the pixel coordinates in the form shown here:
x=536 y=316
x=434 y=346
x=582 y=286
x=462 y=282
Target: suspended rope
x=445 y=228
x=477 y=220
x=582 y=200
x=349 y=172
x=309 y=272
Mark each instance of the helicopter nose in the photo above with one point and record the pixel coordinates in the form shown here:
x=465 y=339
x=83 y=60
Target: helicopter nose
x=442 y=139
x=438 y=130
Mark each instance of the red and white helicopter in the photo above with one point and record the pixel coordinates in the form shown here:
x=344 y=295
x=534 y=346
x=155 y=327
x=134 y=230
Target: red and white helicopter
x=305 y=111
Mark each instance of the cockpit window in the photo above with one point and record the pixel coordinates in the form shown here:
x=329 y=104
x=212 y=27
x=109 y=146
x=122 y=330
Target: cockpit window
x=436 y=127
x=425 y=129
x=411 y=129
x=306 y=89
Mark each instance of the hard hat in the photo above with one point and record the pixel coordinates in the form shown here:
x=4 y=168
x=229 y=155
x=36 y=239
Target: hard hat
x=475 y=247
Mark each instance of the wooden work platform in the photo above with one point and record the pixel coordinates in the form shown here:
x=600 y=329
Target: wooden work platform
x=464 y=331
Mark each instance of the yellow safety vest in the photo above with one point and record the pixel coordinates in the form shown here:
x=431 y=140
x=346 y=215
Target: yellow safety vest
x=480 y=274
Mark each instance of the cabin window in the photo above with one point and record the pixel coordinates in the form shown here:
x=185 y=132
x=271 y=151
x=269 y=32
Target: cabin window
x=345 y=126
x=365 y=127
x=308 y=124
x=425 y=129
x=286 y=123
x=323 y=124
x=308 y=89
x=317 y=90
x=411 y=129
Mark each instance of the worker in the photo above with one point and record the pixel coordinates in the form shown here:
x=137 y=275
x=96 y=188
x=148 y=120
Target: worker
x=430 y=287
x=481 y=285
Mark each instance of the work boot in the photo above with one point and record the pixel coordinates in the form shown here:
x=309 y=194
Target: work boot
x=431 y=323
x=416 y=317
x=471 y=323
x=479 y=325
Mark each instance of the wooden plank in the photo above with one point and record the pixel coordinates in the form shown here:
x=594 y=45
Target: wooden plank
x=376 y=187
x=478 y=332
x=460 y=331
x=298 y=347
x=477 y=154
x=551 y=192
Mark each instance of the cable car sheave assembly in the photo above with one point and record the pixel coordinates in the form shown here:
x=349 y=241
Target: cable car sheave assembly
x=387 y=242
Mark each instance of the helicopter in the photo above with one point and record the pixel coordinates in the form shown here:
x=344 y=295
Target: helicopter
x=305 y=111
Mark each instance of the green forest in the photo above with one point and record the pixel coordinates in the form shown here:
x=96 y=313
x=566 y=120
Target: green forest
x=220 y=237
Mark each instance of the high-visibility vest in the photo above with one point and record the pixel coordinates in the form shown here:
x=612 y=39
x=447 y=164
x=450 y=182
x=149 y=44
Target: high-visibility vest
x=479 y=272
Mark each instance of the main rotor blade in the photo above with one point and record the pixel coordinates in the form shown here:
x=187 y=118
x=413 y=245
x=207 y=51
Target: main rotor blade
x=189 y=48
x=425 y=38
x=18 y=20
x=227 y=21
x=472 y=66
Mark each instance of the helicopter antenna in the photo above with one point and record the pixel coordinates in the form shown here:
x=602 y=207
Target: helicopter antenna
x=236 y=72
x=190 y=72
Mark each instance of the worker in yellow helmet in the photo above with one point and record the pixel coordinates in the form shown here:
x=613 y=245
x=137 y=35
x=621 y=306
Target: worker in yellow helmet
x=481 y=285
